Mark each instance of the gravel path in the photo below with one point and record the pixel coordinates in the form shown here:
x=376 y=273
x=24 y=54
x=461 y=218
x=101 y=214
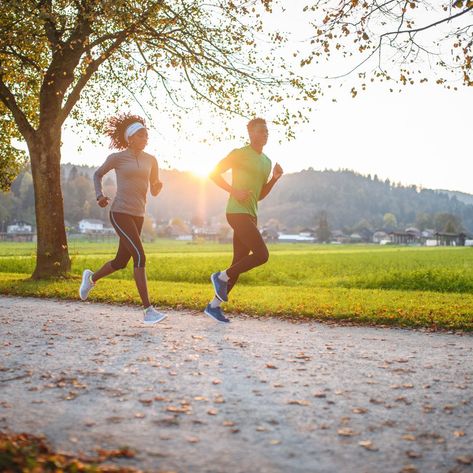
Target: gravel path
x=258 y=395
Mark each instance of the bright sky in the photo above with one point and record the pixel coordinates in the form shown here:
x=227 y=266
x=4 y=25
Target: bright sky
x=418 y=136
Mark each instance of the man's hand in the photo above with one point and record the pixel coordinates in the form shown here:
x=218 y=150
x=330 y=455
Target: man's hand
x=241 y=196
x=103 y=201
x=277 y=171
x=156 y=187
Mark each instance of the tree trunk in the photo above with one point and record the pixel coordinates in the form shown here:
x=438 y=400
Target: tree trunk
x=52 y=256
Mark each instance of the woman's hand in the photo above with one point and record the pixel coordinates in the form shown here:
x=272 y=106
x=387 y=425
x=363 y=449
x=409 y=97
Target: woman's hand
x=103 y=201
x=156 y=187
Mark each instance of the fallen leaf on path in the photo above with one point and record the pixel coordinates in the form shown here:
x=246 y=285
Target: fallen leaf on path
x=124 y=452
x=412 y=454
x=179 y=410
x=465 y=459
x=346 y=432
x=368 y=444
x=146 y=402
x=299 y=402
x=409 y=469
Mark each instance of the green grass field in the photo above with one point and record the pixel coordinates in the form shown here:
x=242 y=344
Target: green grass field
x=404 y=286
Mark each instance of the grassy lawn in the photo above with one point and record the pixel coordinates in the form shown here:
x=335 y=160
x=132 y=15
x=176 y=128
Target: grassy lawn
x=403 y=286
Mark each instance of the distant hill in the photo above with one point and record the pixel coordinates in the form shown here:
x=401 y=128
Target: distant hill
x=461 y=196
x=349 y=200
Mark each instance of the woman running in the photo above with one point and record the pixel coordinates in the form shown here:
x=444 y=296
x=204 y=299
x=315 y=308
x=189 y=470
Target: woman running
x=134 y=170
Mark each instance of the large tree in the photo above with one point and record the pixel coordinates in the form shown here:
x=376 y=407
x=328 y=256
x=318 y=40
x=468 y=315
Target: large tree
x=68 y=59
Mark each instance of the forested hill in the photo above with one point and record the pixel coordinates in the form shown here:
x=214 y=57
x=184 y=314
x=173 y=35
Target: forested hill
x=348 y=199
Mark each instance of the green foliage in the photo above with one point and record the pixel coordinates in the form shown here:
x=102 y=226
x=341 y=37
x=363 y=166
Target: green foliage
x=12 y=160
x=110 y=54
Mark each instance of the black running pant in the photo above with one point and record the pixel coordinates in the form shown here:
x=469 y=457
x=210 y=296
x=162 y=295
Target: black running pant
x=249 y=248
x=128 y=228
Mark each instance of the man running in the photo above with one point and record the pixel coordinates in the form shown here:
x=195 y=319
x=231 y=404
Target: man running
x=136 y=171
x=250 y=172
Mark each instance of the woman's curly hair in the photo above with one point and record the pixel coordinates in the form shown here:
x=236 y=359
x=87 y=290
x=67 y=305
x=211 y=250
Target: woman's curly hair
x=116 y=126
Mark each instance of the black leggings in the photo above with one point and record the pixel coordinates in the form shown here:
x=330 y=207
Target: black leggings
x=128 y=228
x=249 y=248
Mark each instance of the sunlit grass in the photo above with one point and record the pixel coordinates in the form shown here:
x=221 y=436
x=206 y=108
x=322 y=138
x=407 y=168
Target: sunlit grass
x=367 y=284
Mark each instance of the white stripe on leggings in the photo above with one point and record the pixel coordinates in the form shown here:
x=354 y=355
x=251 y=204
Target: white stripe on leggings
x=129 y=239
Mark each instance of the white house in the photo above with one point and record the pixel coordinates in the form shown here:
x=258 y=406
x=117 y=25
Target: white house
x=19 y=227
x=90 y=225
x=381 y=237
x=295 y=238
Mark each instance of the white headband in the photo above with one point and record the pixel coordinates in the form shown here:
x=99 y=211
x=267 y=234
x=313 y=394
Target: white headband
x=132 y=129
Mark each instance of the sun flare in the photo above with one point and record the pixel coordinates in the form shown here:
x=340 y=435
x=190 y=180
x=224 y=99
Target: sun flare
x=200 y=168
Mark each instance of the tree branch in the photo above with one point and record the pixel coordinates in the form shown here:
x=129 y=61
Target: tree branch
x=423 y=28
x=23 y=59
x=74 y=96
x=51 y=32
x=21 y=121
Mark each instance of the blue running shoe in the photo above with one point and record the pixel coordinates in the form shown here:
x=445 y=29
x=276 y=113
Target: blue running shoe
x=220 y=287
x=216 y=314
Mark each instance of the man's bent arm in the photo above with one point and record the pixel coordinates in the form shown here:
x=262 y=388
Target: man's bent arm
x=216 y=175
x=267 y=188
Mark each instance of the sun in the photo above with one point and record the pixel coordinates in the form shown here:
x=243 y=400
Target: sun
x=200 y=168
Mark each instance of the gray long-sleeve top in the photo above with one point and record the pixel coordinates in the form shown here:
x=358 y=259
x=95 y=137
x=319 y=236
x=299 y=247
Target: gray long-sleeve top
x=134 y=173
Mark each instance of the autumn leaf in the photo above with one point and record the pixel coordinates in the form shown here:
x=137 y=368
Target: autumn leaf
x=465 y=459
x=298 y=402
x=368 y=445
x=346 y=432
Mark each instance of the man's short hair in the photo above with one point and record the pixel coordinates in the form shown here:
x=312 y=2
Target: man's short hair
x=253 y=123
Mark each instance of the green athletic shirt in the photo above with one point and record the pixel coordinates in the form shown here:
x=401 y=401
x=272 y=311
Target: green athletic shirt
x=250 y=171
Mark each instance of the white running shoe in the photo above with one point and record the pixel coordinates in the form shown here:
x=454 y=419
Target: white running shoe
x=152 y=316
x=86 y=285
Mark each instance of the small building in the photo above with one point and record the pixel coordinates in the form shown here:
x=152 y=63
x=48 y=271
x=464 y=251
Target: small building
x=408 y=237
x=206 y=234
x=337 y=236
x=20 y=227
x=381 y=237
x=295 y=238
x=270 y=234
x=450 y=239
x=91 y=225
x=356 y=238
